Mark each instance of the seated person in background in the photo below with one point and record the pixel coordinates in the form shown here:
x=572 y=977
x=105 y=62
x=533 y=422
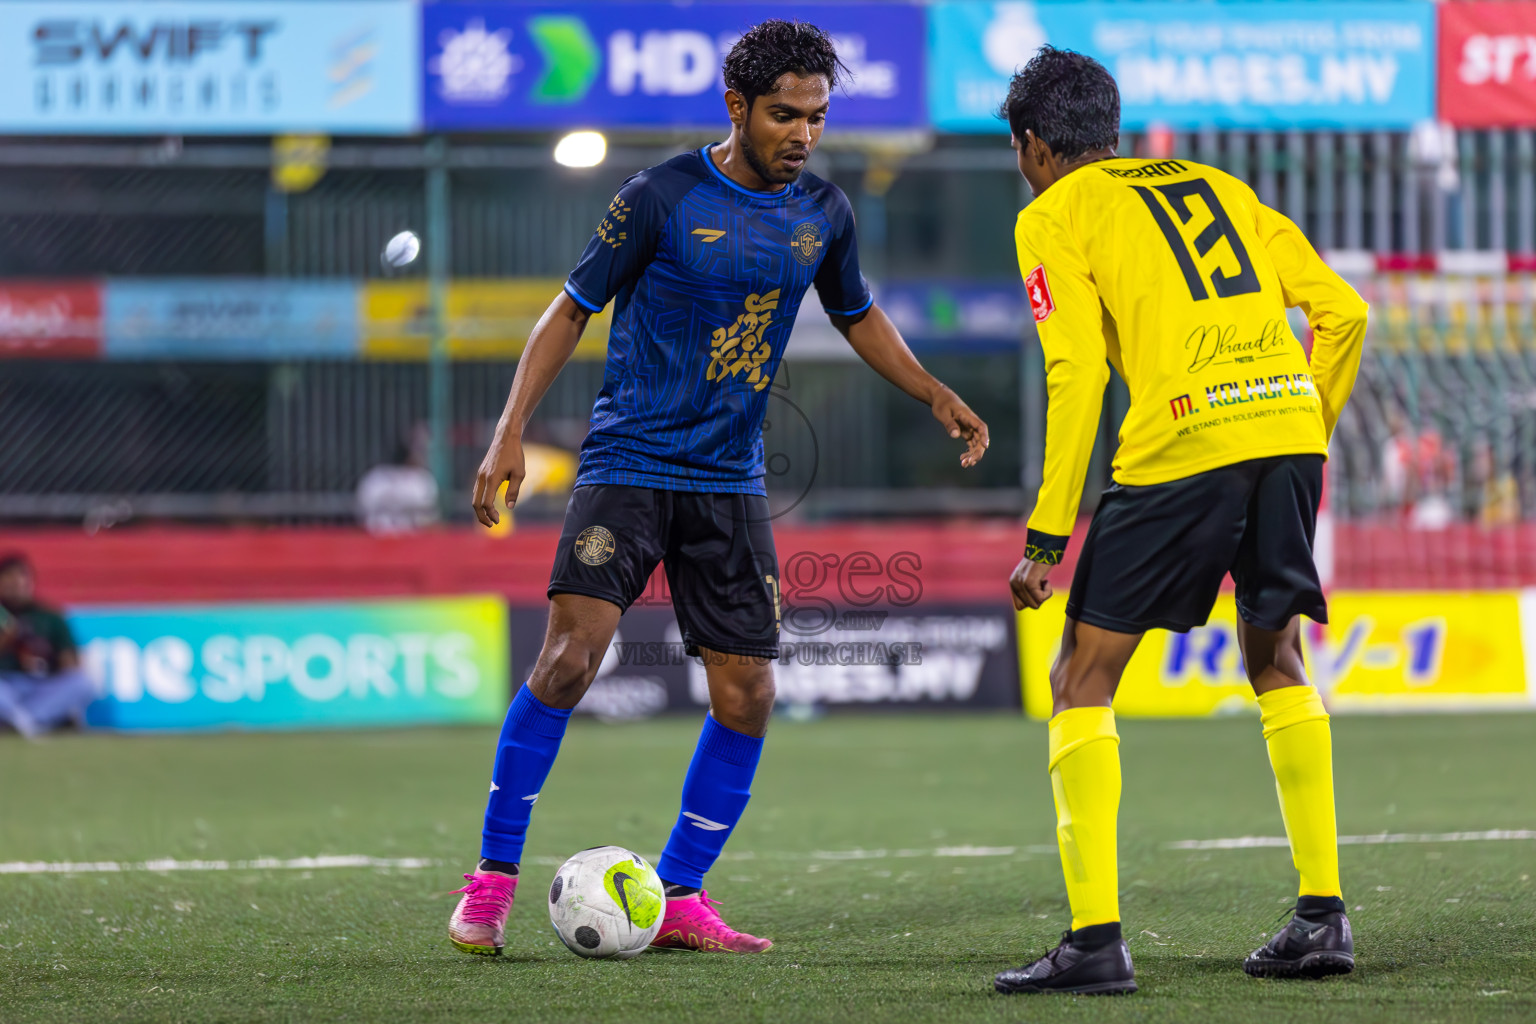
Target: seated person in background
x=41 y=684
x=399 y=496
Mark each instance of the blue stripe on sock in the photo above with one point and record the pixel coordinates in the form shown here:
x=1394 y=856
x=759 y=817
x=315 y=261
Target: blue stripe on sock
x=715 y=792
x=530 y=739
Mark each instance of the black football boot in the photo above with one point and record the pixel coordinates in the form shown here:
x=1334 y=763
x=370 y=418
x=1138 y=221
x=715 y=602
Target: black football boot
x=1315 y=943
x=1089 y=961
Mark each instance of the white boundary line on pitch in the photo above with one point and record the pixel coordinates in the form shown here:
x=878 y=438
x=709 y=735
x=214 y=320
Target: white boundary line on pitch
x=1384 y=838
x=168 y=864
x=40 y=867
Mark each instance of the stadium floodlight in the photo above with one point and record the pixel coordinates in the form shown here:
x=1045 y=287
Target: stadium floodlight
x=581 y=149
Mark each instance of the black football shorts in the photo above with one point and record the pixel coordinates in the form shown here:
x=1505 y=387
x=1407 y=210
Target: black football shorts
x=1155 y=556
x=718 y=550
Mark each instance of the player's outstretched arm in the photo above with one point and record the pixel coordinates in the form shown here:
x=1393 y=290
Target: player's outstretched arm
x=549 y=349
x=879 y=343
x=1069 y=317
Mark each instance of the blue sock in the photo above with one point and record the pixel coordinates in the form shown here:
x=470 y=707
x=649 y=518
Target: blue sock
x=530 y=739
x=715 y=792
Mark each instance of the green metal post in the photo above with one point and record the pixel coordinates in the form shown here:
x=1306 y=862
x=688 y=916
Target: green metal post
x=439 y=370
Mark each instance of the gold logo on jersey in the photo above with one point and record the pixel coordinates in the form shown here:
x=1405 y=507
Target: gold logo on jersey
x=805 y=243
x=740 y=348
x=609 y=230
x=709 y=234
x=594 y=545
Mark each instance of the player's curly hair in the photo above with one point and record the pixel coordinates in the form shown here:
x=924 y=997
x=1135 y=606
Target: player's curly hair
x=774 y=47
x=1067 y=99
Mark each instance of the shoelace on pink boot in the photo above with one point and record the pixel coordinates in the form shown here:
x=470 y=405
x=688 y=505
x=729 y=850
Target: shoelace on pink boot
x=490 y=896
x=709 y=906
x=478 y=922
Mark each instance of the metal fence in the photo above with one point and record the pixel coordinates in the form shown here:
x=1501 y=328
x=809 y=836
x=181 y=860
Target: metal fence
x=207 y=207
x=287 y=442
x=1427 y=191
x=1444 y=424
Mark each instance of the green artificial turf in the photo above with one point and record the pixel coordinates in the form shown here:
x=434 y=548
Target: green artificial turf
x=1445 y=931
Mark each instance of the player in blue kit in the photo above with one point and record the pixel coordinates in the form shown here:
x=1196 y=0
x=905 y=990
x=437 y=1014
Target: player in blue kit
x=708 y=257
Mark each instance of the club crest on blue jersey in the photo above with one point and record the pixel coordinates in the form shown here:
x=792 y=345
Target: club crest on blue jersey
x=805 y=243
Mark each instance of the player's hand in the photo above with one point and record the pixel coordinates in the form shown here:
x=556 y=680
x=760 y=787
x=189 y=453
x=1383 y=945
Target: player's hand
x=1031 y=588
x=958 y=419
x=503 y=462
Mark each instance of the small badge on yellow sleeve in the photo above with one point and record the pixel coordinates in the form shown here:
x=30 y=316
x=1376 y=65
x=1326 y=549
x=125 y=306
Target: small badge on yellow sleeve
x=1039 y=290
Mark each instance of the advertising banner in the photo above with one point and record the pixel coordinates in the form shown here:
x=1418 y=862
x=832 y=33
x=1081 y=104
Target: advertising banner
x=928 y=312
x=50 y=319
x=486 y=319
x=221 y=318
x=495 y=66
x=831 y=657
x=255 y=319
x=1488 y=64
x=1383 y=650
x=297 y=665
x=219 y=66
x=1238 y=65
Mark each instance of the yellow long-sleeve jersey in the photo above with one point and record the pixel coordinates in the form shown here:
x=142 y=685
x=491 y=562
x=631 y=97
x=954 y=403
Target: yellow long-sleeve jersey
x=1176 y=274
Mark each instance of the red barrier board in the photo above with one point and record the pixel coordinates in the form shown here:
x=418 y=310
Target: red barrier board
x=50 y=319
x=1488 y=64
x=955 y=562
x=958 y=562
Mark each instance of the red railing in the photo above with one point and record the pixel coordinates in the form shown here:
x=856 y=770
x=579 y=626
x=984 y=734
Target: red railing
x=954 y=561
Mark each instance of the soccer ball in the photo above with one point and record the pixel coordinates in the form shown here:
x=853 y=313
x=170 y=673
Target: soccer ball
x=401 y=250
x=606 y=902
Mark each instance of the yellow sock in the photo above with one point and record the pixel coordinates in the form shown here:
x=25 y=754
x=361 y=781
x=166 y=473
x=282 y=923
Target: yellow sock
x=1301 y=753
x=1085 y=780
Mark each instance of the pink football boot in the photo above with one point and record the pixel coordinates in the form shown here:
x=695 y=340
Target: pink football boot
x=478 y=923
x=692 y=922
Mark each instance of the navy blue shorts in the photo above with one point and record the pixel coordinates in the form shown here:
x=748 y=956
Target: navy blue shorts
x=718 y=551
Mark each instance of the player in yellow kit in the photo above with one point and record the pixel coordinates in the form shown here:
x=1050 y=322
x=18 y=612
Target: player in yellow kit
x=1176 y=275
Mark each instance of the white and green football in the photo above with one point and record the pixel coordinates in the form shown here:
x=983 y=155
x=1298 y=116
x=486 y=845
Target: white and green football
x=606 y=902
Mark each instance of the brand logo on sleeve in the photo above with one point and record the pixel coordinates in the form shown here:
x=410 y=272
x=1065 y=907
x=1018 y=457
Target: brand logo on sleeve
x=1040 y=301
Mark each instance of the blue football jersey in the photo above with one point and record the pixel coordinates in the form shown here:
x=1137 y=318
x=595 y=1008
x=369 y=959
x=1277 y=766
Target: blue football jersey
x=708 y=277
